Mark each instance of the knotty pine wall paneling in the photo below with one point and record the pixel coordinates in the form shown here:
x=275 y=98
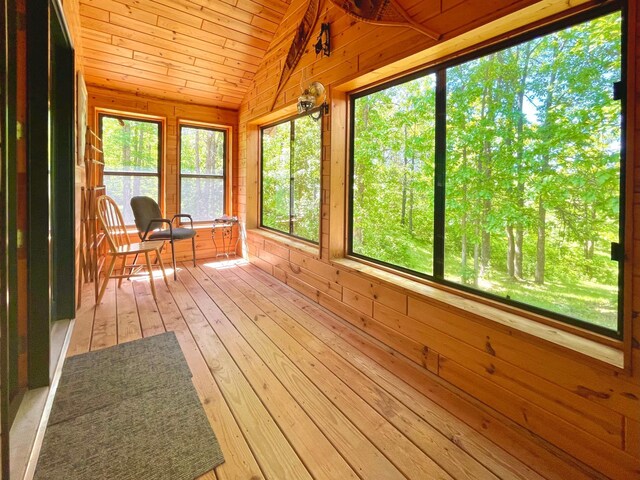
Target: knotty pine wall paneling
x=172 y=112
x=588 y=408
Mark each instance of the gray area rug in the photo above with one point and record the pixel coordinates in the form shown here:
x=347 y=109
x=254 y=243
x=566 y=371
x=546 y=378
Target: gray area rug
x=97 y=379
x=128 y=412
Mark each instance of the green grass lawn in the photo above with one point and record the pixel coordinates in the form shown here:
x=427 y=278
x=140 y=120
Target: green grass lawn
x=584 y=300
x=591 y=302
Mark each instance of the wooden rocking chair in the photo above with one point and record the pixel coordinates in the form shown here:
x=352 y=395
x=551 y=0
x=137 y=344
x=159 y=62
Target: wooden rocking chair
x=120 y=246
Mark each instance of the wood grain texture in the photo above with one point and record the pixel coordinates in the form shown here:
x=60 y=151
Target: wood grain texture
x=551 y=388
x=292 y=391
x=551 y=394
x=246 y=41
x=172 y=113
x=298 y=44
x=231 y=38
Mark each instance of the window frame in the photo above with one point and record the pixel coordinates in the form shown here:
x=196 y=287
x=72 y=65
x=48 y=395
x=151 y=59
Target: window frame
x=440 y=69
x=102 y=113
x=225 y=164
x=261 y=175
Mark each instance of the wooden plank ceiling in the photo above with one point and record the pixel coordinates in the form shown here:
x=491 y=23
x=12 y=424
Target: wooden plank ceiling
x=199 y=51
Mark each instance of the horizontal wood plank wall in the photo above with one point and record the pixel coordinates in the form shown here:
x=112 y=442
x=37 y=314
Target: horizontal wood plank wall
x=206 y=246
x=172 y=112
x=588 y=410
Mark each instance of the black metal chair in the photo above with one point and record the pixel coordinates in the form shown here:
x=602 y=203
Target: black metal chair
x=150 y=225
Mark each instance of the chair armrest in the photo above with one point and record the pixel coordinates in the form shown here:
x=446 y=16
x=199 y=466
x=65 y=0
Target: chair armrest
x=180 y=215
x=151 y=224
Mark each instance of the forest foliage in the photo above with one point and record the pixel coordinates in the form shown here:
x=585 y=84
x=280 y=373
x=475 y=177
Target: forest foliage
x=291 y=157
x=531 y=173
x=202 y=164
x=132 y=160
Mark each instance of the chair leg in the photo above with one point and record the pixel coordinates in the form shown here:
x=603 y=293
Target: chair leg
x=159 y=260
x=193 y=248
x=96 y=281
x=123 y=267
x=173 y=258
x=153 y=286
x=106 y=279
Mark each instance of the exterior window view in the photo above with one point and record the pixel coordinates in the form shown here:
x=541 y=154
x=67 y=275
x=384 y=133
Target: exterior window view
x=532 y=169
x=291 y=157
x=131 y=152
x=202 y=172
x=332 y=240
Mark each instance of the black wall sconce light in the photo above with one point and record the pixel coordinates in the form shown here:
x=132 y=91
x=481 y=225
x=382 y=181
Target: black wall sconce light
x=323 y=44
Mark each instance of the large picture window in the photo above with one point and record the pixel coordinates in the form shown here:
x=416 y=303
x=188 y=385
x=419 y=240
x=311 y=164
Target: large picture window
x=393 y=174
x=291 y=156
x=502 y=174
x=202 y=172
x=131 y=149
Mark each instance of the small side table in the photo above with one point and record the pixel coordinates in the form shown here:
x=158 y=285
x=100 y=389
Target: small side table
x=225 y=225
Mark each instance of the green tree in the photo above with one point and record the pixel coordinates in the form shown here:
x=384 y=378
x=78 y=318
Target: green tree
x=532 y=172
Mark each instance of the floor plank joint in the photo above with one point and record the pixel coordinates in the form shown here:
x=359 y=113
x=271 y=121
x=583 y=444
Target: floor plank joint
x=292 y=391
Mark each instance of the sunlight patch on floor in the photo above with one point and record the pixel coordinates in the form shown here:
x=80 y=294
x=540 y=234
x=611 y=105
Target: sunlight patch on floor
x=224 y=264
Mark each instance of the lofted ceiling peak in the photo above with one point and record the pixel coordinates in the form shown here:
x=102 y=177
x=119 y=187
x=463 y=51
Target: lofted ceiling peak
x=199 y=51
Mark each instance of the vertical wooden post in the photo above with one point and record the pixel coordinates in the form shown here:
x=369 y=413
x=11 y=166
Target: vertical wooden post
x=339 y=162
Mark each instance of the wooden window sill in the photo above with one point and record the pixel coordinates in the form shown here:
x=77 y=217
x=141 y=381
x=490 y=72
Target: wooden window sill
x=604 y=355
x=294 y=243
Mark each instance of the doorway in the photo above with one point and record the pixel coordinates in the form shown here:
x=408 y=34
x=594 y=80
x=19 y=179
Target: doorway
x=51 y=180
x=37 y=167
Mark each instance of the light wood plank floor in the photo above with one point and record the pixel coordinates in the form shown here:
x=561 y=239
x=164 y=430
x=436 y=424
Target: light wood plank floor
x=293 y=392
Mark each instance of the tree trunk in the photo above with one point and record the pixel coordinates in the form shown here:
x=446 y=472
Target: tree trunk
x=540 y=246
x=212 y=148
x=210 y=167
x=197 y=194
x=197 y=152
x=519 y=234
x=404 y=180
x=138 y=160
x=542 y=211
x=365 y=113
x=464 y=274
x=411 y=211
x=463 y=261
x=476 y=253
x=485 y=254
x=590 y=242
x=511 y=252
x=486 y=241
x=413 y=166
x=126 y=161
x=588 y=249
x=358 y=232
x=476 y=263
x=486 y=171
x=518 y=273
